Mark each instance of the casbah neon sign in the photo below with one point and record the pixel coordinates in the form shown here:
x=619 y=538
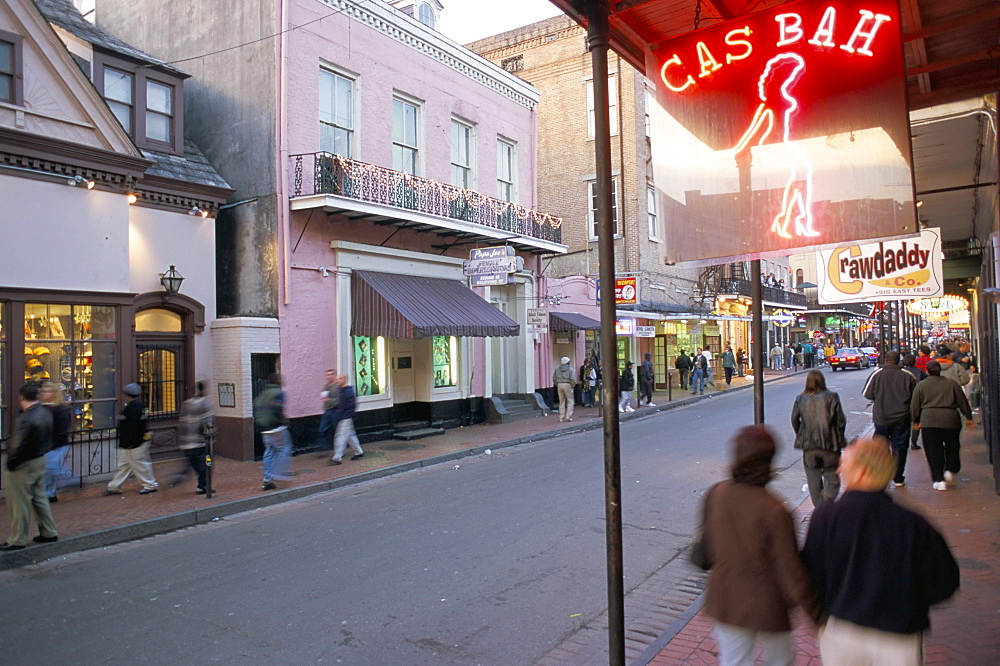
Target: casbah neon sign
x=788 y=65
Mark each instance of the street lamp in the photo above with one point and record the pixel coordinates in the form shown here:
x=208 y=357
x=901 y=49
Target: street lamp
x=171 y=280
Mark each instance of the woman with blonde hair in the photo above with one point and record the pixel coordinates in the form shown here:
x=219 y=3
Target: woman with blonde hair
x=819 y=422
x=52 y=398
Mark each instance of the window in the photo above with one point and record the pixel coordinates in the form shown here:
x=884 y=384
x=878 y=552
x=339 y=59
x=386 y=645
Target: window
x=118 y=88
x=654 y=231
x=445 y=363
x=336 y=113
x=159 y=112
x=592 y=209
x=461 y=154
x=506 y=189
x=647 y=100
x=11 y=84
x=426 y=15
x=612 y=106
x=799 y=277
x=405 y=147
x=368 y=365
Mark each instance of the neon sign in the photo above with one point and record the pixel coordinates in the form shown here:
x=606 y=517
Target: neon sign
x=783 y=130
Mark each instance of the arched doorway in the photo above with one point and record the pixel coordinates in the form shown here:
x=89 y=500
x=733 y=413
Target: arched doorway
x=165 y=326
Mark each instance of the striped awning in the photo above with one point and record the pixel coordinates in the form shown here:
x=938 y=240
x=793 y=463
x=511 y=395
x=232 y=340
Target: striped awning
x=572 y=321
x=408 y=306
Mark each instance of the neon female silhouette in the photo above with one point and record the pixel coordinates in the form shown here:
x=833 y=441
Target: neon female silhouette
x=774 y=117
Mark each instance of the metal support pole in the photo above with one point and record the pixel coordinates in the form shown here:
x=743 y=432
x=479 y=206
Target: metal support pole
x=598 y=39
x=757 y=334
x=209 y=448
x=670 y=385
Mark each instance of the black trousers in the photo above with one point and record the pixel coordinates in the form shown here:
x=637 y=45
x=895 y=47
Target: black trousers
x=683 y=372
x=898 y=435
x=941 y=449
x=729 y=375
x=195 y=459
x=645 y=389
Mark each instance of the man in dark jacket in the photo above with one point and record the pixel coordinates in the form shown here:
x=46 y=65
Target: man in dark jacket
x=133 y=447
x=26 y=472
x=877 y=612
x=346 y=406
x=269 y=417
x=646 y=378
x=910 y=365
x=890 y=389
x=683 y=365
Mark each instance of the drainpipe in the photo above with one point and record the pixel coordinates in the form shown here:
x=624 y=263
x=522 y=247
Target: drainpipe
x=281 y=205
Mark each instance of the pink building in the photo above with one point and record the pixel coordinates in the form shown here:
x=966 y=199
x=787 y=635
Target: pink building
x=372 y=157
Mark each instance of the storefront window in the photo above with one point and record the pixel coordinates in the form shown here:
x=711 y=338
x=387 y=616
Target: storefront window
x=368 y=365
x=444 y=360
x=74 y=345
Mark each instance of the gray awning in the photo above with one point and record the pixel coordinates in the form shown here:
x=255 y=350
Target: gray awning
x=572 y=321
x=408 y=306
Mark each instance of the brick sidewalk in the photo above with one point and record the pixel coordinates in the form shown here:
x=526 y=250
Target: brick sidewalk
x=964 y=629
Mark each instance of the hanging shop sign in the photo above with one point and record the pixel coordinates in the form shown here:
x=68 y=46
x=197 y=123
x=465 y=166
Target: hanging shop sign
x=624 y=326
x=887 y=270
x=959 y=319
x=944 y=305
x=492 y=266
x=782 y=130
x=626 y=290
x=538 y=320
x=782 y=318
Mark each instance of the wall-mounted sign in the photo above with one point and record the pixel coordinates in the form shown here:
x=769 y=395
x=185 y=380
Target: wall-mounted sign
x=884 y=271
x=782 y=318
x=538 y=320
x=645 y=331
x=624 y=326
x=781 y=130
x=626 y=290
x=959 y=319
x=491 y=279
x=944 y=305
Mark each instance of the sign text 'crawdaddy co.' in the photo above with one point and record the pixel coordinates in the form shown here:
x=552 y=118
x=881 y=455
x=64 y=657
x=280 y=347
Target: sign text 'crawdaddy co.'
x=884 y=271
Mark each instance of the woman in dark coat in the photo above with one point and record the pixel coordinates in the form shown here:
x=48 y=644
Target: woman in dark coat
x=818 y=421
x=757 y=575
x=934 y=410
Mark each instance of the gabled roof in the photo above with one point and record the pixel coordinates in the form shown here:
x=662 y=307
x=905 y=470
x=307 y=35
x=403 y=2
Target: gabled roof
x=65 y=15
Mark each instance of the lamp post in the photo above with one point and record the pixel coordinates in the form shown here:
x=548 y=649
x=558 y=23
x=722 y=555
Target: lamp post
x=171 y=280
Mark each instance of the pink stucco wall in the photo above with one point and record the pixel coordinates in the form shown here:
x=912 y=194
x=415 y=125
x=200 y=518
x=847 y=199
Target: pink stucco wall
x=576 y=294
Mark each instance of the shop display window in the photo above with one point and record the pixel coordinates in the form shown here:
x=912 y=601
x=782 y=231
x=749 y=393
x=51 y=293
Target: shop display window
x=369 y=365
x=444 y=350
x=74 y=345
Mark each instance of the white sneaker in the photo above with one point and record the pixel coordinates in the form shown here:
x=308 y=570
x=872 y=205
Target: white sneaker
x=621 y=410
x=651 y=404
x=629 y=409
x=940 y=485
x=949 y=478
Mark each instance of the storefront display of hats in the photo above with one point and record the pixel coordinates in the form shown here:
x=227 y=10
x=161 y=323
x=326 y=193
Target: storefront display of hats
x=36 y=359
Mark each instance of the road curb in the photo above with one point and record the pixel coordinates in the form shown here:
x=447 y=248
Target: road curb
x=170 y=523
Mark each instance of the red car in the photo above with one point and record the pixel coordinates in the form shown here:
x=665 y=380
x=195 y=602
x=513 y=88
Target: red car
x=849 y=357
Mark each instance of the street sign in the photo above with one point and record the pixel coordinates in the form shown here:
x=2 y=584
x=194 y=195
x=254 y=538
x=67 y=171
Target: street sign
x=645 y=331
x=538 y=320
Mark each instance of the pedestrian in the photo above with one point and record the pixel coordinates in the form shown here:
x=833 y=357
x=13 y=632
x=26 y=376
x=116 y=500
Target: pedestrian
x=133 y=445
x=709 y=373
x=775 y=356
x=698 y=375
x=683 y=365
x=741 y=361
x=647 y=377
x=963 y=356
x=954 y=371
x=876 y=566
x=756 y=574
x=52 y=398
x=25 y=481
x=269 y=417
x=626 y=384
x=347 y=405
x=327 y=423
x=196 y=417
x=910 y=365
x=588 y=382
x=935 y=409
x=924 y=355
x=728 y=364
x=564 y=377
x=890 y=389
x=788 y=355
x=819 y=422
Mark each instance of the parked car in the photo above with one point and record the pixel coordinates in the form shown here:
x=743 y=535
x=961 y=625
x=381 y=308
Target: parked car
x=849 y=357
x=872 y=354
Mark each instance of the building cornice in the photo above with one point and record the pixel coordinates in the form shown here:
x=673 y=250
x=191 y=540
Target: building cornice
x=68 y=153
x=393 y=23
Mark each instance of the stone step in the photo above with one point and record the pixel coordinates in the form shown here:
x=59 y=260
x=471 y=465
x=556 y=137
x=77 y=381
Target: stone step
x=418 y=433
x=406 y=426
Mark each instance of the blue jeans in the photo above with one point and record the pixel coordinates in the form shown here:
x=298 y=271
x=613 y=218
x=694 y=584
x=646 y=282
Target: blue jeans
x=327 y=428
x=698 y=381
x=898 y=435
x=55 y=470
x=277 y=451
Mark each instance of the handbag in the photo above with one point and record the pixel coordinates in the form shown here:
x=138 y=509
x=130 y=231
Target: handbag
x=700 y=554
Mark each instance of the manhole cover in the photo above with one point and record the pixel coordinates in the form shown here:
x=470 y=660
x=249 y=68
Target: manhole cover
x=969 y=563
x=401 y=446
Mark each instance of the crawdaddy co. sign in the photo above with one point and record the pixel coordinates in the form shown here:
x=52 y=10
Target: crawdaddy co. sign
x=884 y=271
x=782 y=130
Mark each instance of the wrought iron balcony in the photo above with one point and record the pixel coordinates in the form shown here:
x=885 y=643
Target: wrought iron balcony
x=725 y=286
x=326 y=173
x=860 y=309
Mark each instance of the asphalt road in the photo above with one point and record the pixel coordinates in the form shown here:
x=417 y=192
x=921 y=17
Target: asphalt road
x=493 y=560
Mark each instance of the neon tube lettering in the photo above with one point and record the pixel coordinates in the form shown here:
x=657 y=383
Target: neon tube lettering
x=674 y=62
x=708 y=62
x=861 y=33
x=825 y=29
x=789 y=29
x=746 y=32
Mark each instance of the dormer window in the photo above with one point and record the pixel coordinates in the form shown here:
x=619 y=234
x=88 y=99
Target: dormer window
x=425 y=14
x=145 y=101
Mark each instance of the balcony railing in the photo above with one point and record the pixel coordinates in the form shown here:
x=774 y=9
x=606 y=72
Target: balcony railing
x=860 y=309
x=333 y=174
x=735 y=287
